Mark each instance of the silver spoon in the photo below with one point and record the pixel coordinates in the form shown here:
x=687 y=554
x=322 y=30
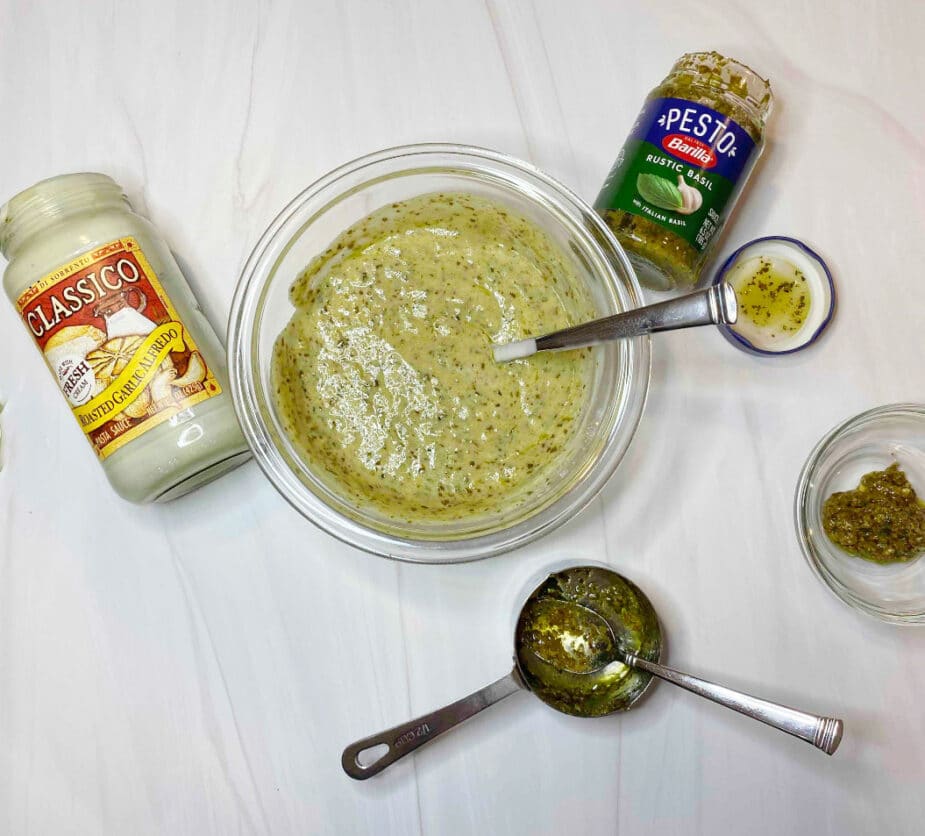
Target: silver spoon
x=604 y=594
x=824 y=733
x=713 y=306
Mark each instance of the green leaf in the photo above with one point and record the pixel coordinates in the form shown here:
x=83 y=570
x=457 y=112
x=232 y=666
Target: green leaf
x=659 y=192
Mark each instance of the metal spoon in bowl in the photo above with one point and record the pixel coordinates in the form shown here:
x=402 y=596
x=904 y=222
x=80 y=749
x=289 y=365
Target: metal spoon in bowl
x=713 y=306
x=579 y=677
x=824 y=733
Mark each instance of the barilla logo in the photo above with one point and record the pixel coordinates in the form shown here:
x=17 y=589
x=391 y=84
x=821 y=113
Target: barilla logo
x=690 y=150
x=698 y=135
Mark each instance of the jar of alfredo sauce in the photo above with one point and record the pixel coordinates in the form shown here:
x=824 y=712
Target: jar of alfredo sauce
x=138 y=363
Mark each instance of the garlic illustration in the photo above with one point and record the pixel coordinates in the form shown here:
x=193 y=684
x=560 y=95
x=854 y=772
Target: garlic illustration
x=138 y=408
x=195 y=371
x=160 y=387
x=690 y=197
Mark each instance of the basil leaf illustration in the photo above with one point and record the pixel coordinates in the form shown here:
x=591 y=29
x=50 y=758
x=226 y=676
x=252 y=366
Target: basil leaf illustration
x=658 y=191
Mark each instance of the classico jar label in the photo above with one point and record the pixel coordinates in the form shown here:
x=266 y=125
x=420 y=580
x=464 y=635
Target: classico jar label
x=115 y=343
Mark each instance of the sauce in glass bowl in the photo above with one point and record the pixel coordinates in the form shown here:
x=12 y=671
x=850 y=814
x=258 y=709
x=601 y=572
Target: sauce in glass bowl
x=302 y=234
x=384 y=380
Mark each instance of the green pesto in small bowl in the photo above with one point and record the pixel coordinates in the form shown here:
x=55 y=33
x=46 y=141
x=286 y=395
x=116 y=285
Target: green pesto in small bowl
x=881 y=520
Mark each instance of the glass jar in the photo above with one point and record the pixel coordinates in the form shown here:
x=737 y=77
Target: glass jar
x=683 y=166
x=117 y=323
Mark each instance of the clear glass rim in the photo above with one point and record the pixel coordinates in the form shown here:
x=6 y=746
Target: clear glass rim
x=242 y=337
x=45 y=202
x=801 y=509
x=759 y=100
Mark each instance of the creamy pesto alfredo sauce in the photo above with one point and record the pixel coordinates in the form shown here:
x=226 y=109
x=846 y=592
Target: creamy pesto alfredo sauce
x=384 y=378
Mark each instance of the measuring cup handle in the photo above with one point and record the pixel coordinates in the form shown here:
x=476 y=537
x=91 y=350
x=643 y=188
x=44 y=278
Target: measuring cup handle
x=405 y=738
x=824 y=733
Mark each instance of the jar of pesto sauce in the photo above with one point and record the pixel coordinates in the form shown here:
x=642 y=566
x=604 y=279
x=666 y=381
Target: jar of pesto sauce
x=681 y=170
x=107 y=305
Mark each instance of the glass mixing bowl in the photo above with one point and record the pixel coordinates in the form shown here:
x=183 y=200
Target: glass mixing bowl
x=312 y=221
x=873 y=440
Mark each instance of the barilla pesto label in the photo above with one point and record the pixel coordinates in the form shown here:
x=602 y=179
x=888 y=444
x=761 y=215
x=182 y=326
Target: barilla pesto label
x=115 y=344
x=681 y=166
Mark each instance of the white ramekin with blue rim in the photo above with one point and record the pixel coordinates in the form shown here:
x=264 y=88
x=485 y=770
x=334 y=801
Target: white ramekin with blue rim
x=749 y=336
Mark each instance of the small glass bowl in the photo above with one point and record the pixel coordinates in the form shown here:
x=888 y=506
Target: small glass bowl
x=870 y=441
x=312 y=221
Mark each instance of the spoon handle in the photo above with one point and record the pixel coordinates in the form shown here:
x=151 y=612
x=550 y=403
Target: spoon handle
x=406 y=737
x=716 y=304
x=823 y=732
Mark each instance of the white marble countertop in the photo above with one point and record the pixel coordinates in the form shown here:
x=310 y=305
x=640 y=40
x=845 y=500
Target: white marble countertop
x=198 y=667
